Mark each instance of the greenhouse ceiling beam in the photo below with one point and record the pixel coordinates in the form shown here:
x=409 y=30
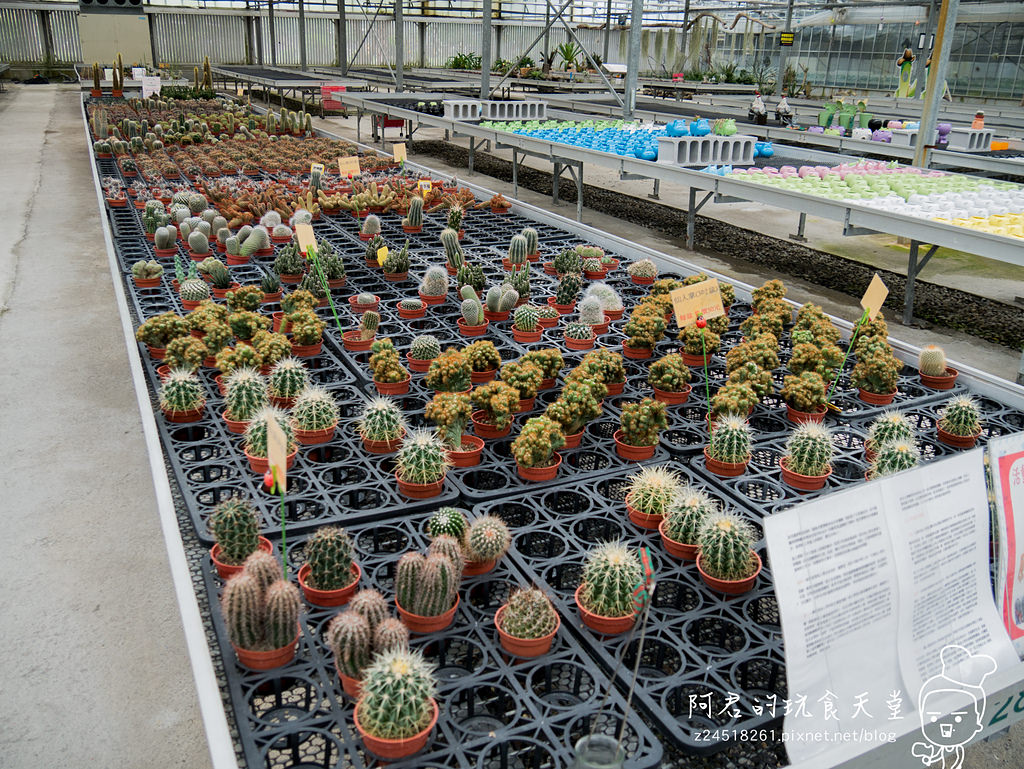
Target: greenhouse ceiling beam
x=590 y=58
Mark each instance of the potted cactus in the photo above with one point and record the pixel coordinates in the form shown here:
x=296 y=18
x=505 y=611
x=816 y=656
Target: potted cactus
x=727 y=561
x=681 y=525
x=933 y=370
x=434 y=286
x=388 y=730
x=193 y=292
x=185 y=353
x=413 y=221
x=605 y=365
x=427 y=591
x=314 y=416
x=807 y=463
x=288 y=377
x=517 y=253
x=472 y=322
x=639 y=426
x=611 y=302
x=805 y=397
x=484 y=359
x=245 y=298
x=579 y=336
x=527 y=623
x=728 y=449
x=411 y=309
x=486 y=540
x=451 y=413
x=147 y=274
x=525 y=325
x=499 y=302
x=421 y=465
x=245 y=393
x=699 y=344
x=396 y=264
x=670 y=378
x=567 y=262
x=261 y=612
x=448 y=521
x=642 y=272
x=307 y=333
x=651 y=492
x=642 y=331
x=356 y=636
x=182 y=398
x=452 y=251
x=577 y=405
x=421 y=353
x=532 y=244
x=591 y=312
x=329 y=576
x=877 y=373
x=381 y=426
x=255 y=447
x=371 y=228
x=889 y=426
x=390 y=377
x=235 y=527
x=449 y=372
x=959 y=422
x=893 y=457
x=370 y=254
x=364 y=302
x=568 y=289
x=549 y=361
x=496 y=402
x=525 y=377
x=535 y=447
x=605 y=594
x=732 y=398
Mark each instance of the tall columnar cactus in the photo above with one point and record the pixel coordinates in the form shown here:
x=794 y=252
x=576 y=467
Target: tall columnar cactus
x=891 y=425
x=931 y=361
x=426 y=586
x=472 y=311
x=451 y=548
x=236 y=528
x=371 y=605
x=447 y=520
x=610 y=573
x=261 y=611
x=329 y=555
x=262 y=566
x=435 y=282
x=181 y=391
x=961 y=416
x=725 y=541
x=653 y=490
x=894 y=457
x=642 y=422
x=283 y=607
x=350 y=639
x=528 y=614
x=526 y=318
x=288 y=378
x=568 y=289
x=687 y=514
x=518 y=248
x=452 y=249
x=381 y=420
x=422 y=458
x=257 y=240
x=810 y=449
x=730 y=441
x=424 y=347
x=487 y=539
x=397 y=691
x=415 y=216
x=532 y=246
x=246 y=394
x=455 y=214
x=244 y=611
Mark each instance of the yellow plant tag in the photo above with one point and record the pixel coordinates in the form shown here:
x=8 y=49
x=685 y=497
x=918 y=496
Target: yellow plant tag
x=425 y=185
x=316 y=168
x=306 y=236
x=382 y=254
x=348 y=166
x=874 y=297
x=700 y=299
x=277 y=454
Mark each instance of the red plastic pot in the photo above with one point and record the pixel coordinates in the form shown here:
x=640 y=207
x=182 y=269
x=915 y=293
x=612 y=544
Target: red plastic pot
x=730 y=587
x=476 y=568
x=314 y=437
x=486 y=429
x=225 y=570
x=957 y=441
x=641 y=281
x=352 y=341
x=944 y=382
x=604 y=625
x=393 y=388
x=483 y=377
x=615 y=388
x=673 y=398
x=184 y=417
x=147 y=282
x=267 y=660
x=396 y=277
x=392 y=750
x=383 y=447
x=579 y=344
x=573 y=441
x=359 y=309
x=680 y=550
x=802 y=482
x=234 y=260
x=641 y=519
x=636 y=353
x=422 y=625
x=563 y=309
x=469 y=455
x=278 y=402
x=547 y=383
x=306 y=350
x=260 y=465
x=165 y=253
x=526 y=336
x=353 y=687
x=696 y=361
x=431 y=300
x=420 y=490
x=467 y=330
x=549 y=268
x=614 y=314
x=497 y=316
x=540 y=473
x=724 y=469
x=795 y=415
x=338 y=597
x=525 y=404
x=410 y=314
x=418 y=365
x=547 y=322
x=874 y=398
x=527 y=648
x=156 y=353
x=634 y=453
x=236 y=426
x=601 y=328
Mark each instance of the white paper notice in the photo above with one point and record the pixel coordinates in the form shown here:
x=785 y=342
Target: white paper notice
x=138 y=73
x=150 y=86
x=873 y=583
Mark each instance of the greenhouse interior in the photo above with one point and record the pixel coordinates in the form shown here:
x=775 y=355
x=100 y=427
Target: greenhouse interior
x=532 y=385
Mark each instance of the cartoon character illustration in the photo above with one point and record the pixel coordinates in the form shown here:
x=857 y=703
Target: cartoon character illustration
x=906 y=89
x=959 y=685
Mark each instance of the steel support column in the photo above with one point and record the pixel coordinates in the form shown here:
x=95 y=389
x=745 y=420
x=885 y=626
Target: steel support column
x=914 y=267
x=485 y=51
x=636 y=21
x=936 y=76
x=302 y=35
x=342 y=38
x=273 y=33
x=784 y=51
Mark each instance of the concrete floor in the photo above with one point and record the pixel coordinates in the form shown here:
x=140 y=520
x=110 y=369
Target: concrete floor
x=95 y=673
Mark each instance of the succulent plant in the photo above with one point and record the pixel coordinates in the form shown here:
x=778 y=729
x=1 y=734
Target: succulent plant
x=577 y=330
x=501 y=298
x=810 y=449
x=426 y=586
x=271 y=348
x=471 y=275
x=472 y=311
x=181 y=391
x=256 y=432
x=877 y=370
x=726 y=543
x=961 y=416
x=823 y=358
x=699 y=341
x=482 y=355
x=730 y=441
x=391 y=635
x=451 y=413
x=455 y=214
x=449 y=372
x=381 y=420
x=577 y=406
x=306 y=328
x=526 y=318
x=451 y=548
x=549 y=361
x=644 y=268
x=590 y=311
x=424 y=347
x=528 y=614
x=448 y=521
x=770 y=289
x=260 y=618
x=610 y=573
x=931 y=361
x=329 y=555
x=733 y=399
x=397 y=262
x=604 y=364
x=498 y=400
x=195 y=290
x=244 y=324
x=452 y=250
x=373 y=247
x=568 y=289
x=519 y=280
x=756 y=325
x=605 y=294
x=287 y=378
x=644 y=331
x=807 y=392
x=669 y=373
x=297 y=300
x=422 y=458
x=518 y=248
x=435 y=282
x=762 y=350
x=236 y=529
x=257 y=240
x=891 y=425
x=385 y=364
x=524 y=377
x=652 y=490
x=350 y=639
x=246 y=298
x=371 y=225
x=397 y=692
x=537 y=442
x=487 y=539
x=185 y=353
x=198 y=243
x=270 y=283
x=687 y=513
x=164 y=237
x=315 y=409
x=414 y=218
x=246 y=393
x=532 y=245
x=144 y=270
x=270 y=219
x=641 y=422
x=568 y=262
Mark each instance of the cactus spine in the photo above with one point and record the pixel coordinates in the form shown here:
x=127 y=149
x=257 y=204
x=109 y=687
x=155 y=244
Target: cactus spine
x=397 y=693
x=235 y=527
x=452 y=249
x=246 y=394
x=687 y=514
x=810 y=449
x=517 y=250
x=530 y=235
x=350 y=638
x=529 y=614
x=447 y=520
x=329 y=555
x=725 y=541
x=960 y=416
x=609 y=576
x=427 y=586
x=487 y=539
x=931 y=361
x=526 y=318
x=415 y=216
x=730 y=441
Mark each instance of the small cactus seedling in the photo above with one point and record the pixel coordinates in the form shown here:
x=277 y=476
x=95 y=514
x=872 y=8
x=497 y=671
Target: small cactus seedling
x=653 y=490
x=529 y=614
x=960 y=416
x=810 y=449
x=329 y=555
x=487 y=539
x=610 y=574
x=398 y=687
x=423 y=458
x=688 y=513
x=726 y=541
x=435 y=282
x=891 y=425
x=578 y=331
x=449 y=521
x=381 y=420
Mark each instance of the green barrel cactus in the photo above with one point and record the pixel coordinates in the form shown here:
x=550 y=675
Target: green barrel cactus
x=329 y=555
x=610 y=573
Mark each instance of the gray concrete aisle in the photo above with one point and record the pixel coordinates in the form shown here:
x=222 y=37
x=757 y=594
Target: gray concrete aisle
x=94 y=667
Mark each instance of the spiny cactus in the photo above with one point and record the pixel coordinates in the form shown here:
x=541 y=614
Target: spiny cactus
x=498 y=400
x=315 y=409
x=567 y=262
x=528 y=614
x=246 y=394
x=455 y=214
x=452 y=250
x=877 y=370
x=524 y=376
x=259 y=616
x=371 y=605
x=415 y=216
x=810 y=449
x=487 y=539
x=642 y=422
x=288 y=378
x=894 y=457
x=447 y=520
x=548 y=360
x=181 y=391
x=147 y=270
x=730 y=441
x=526 y=318
x=451 y=413
x=519 y=279
x=537 y=442
x=891 y=425
x=194 y=290
x=501 y=298
x=263 y=567
x=371 y=225
x=644 y=268
x=931 y=361
x=368 y=324
x=577 y=405
x=350 y=639
x=435 y=282
x=410 y=304
x=532 y=246
x=451 y=548
x=283 y=605
x=610 y=573
x=590 y=311
x=424 y=347
x=733 y=398
x=257 y=240
x=426 y=586
x=282 y=231
x=961 y=416
x=329 y=555
x=236 y=528
x=472 y=311
x=397 y=690
x=256 y=432
x=806 y=392
x=270 y=219
x=390 y=635
x=518 y=248
x=568 y=288
x=483 y=355
x=381 y=420
x=605 y=294
x=726 y=541
x=687 y=513
x=669 y=373
x=185 y=352
x=577 y=330
x=422 y=458
x=653 y=490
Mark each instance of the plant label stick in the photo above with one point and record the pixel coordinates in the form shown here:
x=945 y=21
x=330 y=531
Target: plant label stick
x=277 y=453
x=399 y=151
x=874 y=297
x=700 y=300
x=348 y=166
x=853 y=338
x=306 y=236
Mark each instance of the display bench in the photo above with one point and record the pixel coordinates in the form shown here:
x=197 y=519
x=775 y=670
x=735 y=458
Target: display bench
x=498 y=710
